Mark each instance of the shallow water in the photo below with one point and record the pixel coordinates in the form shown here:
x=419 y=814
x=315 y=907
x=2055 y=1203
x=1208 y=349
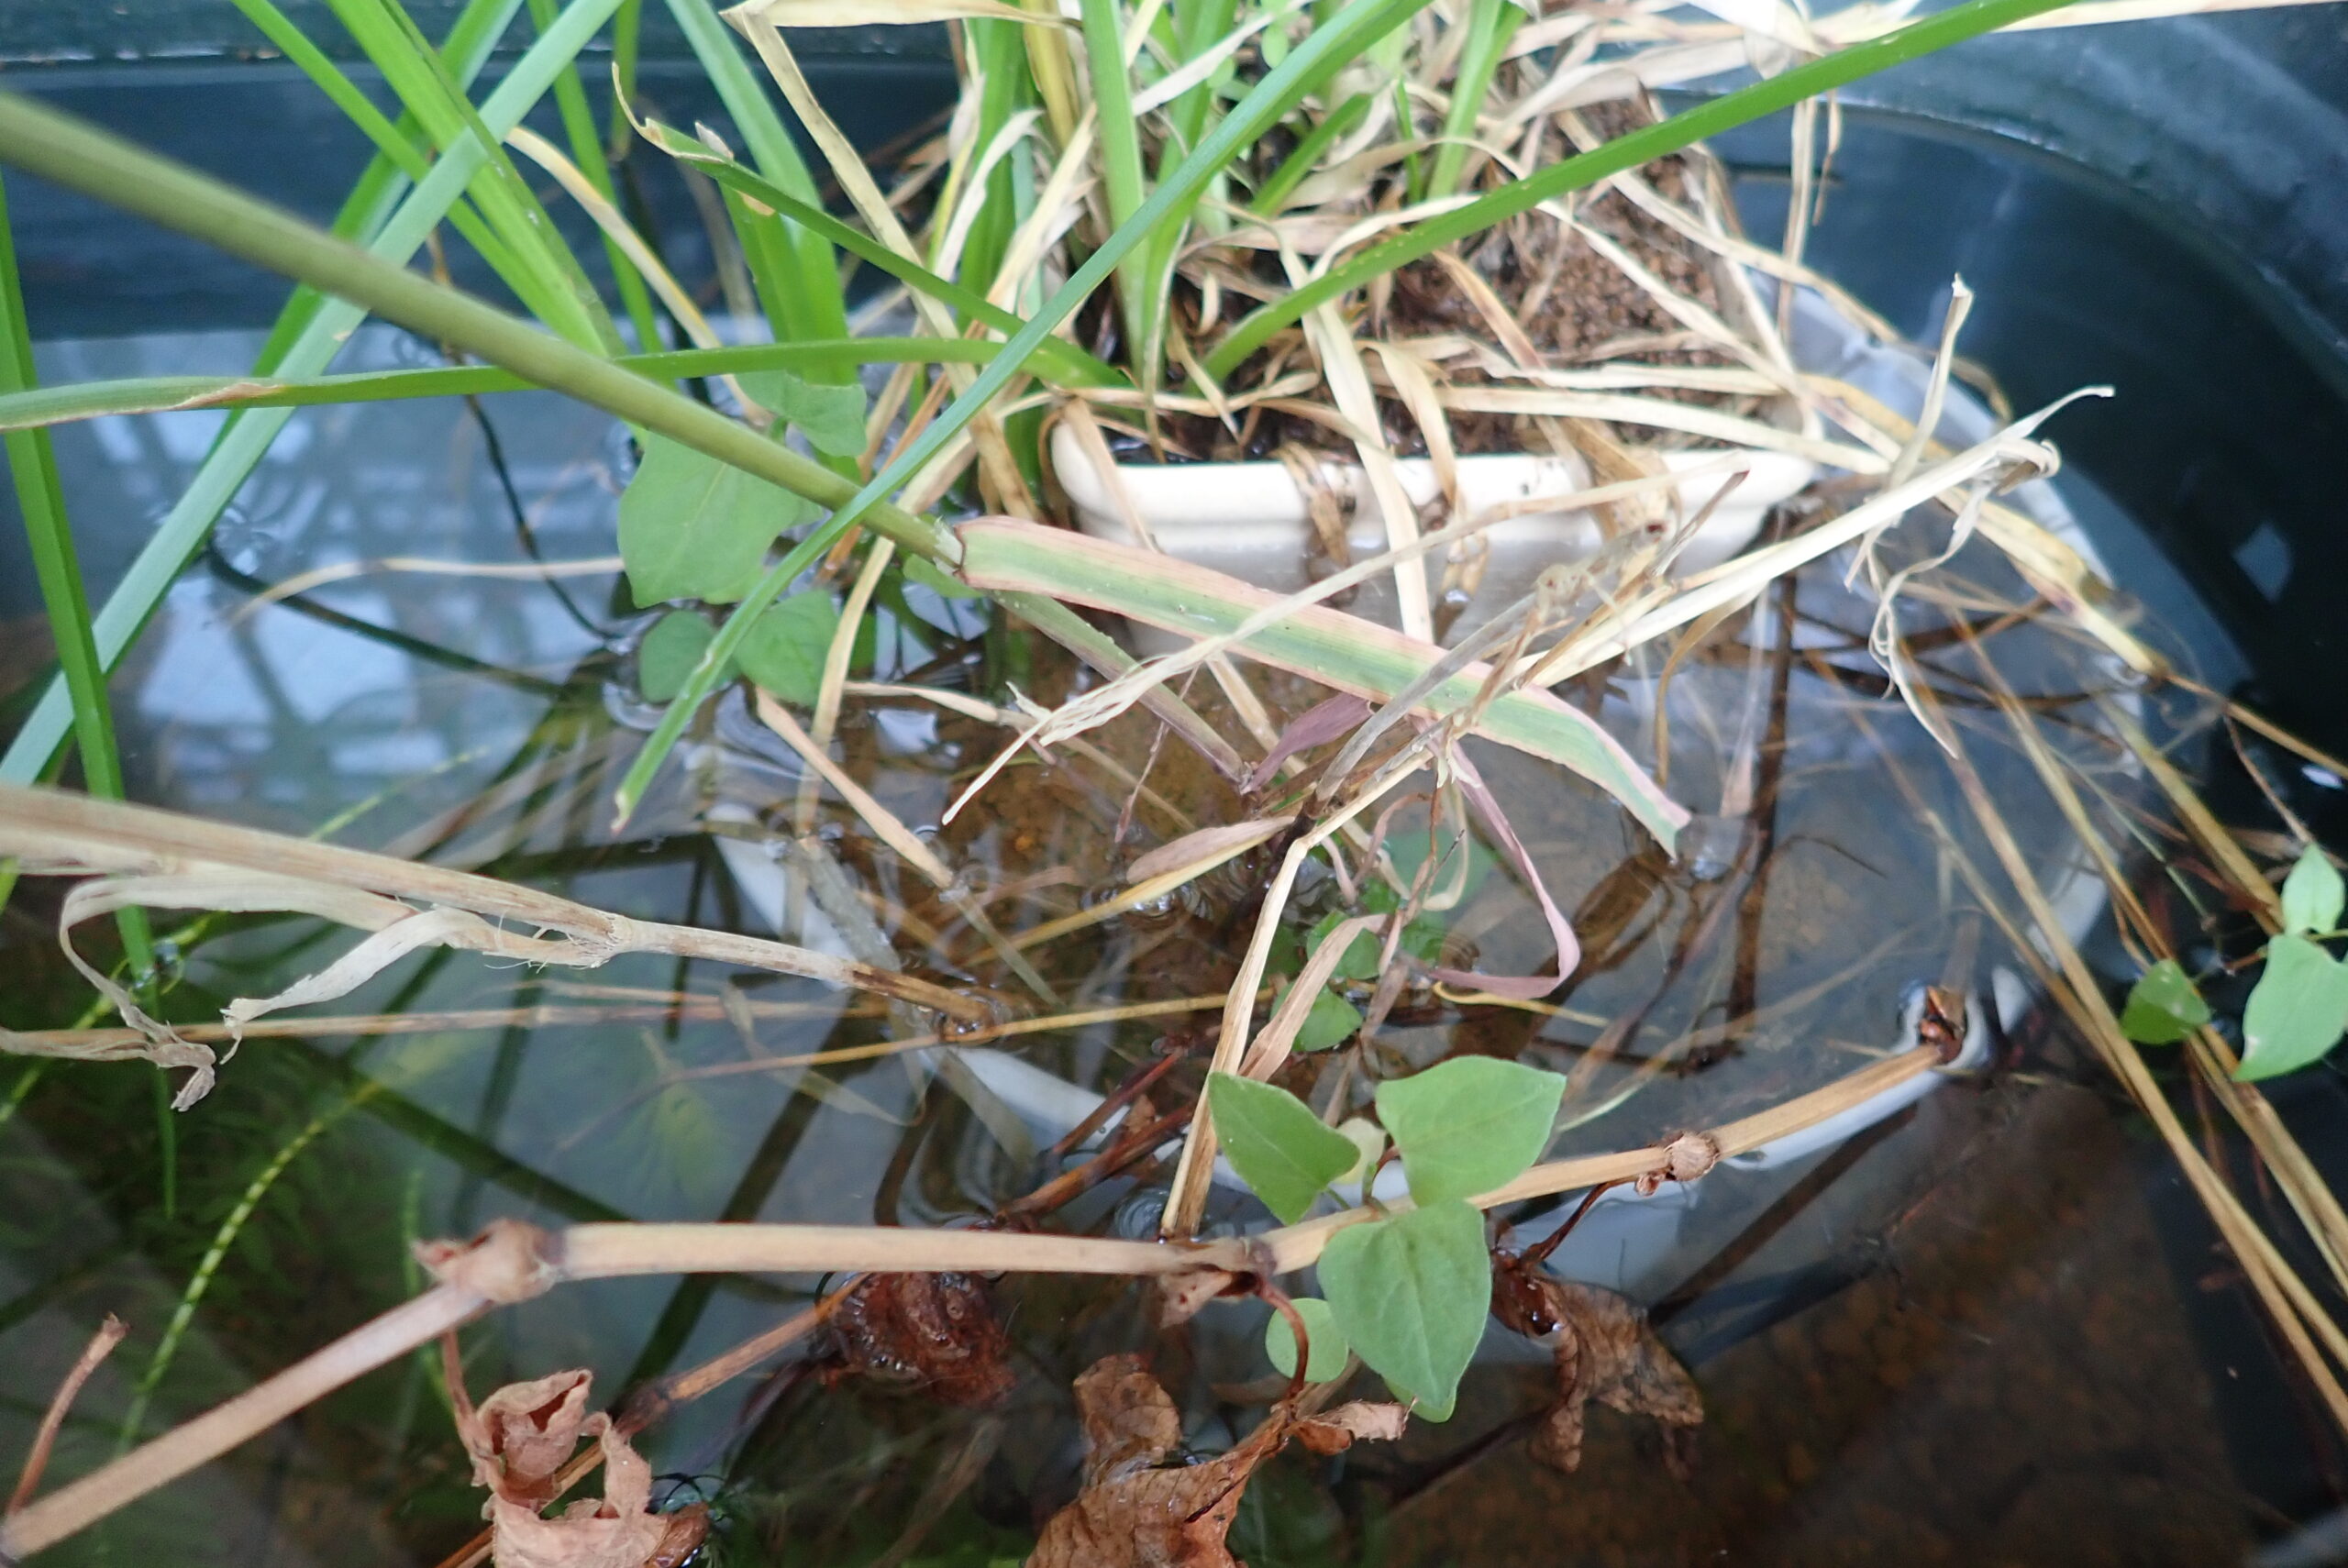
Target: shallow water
x=1986 y=1326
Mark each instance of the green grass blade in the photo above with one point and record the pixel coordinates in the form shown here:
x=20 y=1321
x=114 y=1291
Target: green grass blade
x=42 y=498
x=296 y=46
x=395 y=144
x=1490 y=25
x=80 y=157
x=821 y=307
x=1328 y=646
x=1722 y=114
x=541 y=270
x=1323 y=51
x=1307 y=156
x=1121 y=167
x=587 y=152
x=1062 y=361
x=240 y=448
x=376 y=194
x=41 y=406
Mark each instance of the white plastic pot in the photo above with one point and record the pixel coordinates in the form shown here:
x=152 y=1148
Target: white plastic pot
x=1250 y=520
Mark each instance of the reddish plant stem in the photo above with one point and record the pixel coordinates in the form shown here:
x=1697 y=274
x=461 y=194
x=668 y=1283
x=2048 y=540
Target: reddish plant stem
x=1069 y=1184
x=101 y=1345
x=1125 y=1095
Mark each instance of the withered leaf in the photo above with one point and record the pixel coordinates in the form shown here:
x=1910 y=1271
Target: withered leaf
x=936 y=1332
x=1141 y=1507
x=523 y=1433
x=1605 y=1351
x=520 y=1437
x=1362 y=1420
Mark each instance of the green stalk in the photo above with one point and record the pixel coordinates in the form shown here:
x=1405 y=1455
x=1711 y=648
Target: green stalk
x=1351 y=30
x=43 y=406
x=393 y=143
x=305 y=350
x=819 y=307
x=80 y=157
x=42 y=498
x=1307 y=156
x=1684 y=129
x=1120 y=138
x=587 y=152
x=1061 y=360
x=372 y=200
x=1490 y=25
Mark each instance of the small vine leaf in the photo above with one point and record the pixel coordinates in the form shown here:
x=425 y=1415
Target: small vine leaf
x=669 y=652
x=692 y=527
x=2313 y=893
x=1369 y=1139
x=1470 y=1124
x=1283 y=1152
x=1411 y=1293
x=1360 y=959
x=1327 y=1359
x=2162 y=1006
x=831 y=416
x=785 y=651
x=2297 y=1011
x=1332 y=1021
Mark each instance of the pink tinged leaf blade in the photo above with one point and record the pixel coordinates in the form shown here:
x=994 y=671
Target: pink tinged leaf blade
x=1005 y=555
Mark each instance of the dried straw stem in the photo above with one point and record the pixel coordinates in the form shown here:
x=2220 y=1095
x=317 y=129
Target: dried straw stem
x=513 y=1262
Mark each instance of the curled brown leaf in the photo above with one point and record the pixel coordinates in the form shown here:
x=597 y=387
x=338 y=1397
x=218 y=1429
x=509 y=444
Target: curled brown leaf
x=1604 y=1350
x=521 y=1437
x=1362 y=1420
x=1141 y=1507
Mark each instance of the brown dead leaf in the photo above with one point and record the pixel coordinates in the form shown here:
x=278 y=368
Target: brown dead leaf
x=524 y=1433
x=936 y=1332
x=1363 y=1421
x=1141 y=1506
x=1605 y=1351
x=521 y=1437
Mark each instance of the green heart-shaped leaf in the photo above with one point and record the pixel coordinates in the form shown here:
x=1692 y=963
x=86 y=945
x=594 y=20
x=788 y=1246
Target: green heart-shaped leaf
x=1283 y=1152
x=1361 y=960
x=1328 y=1342
x=1331 y=1021
x=787 y=645
x=669 y=652
x=2295 y=1012
x=2163 y=1006
x=1468 y=1125
x=1411 y=1295
x=830 y=416
x=2312 y=893
x=692 y=528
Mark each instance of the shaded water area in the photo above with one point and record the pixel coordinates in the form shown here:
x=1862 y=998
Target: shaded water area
x=1988 y=1326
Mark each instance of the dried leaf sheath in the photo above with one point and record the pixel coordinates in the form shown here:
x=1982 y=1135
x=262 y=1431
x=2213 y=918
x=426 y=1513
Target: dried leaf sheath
x=167 y=860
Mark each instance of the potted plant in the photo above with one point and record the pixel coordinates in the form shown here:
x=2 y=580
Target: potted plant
x=1283 y=304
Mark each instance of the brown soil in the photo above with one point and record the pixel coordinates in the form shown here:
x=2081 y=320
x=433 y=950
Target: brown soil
x=1575 y=305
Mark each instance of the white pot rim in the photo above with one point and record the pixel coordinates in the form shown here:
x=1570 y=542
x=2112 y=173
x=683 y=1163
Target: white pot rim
x=1259 y=505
